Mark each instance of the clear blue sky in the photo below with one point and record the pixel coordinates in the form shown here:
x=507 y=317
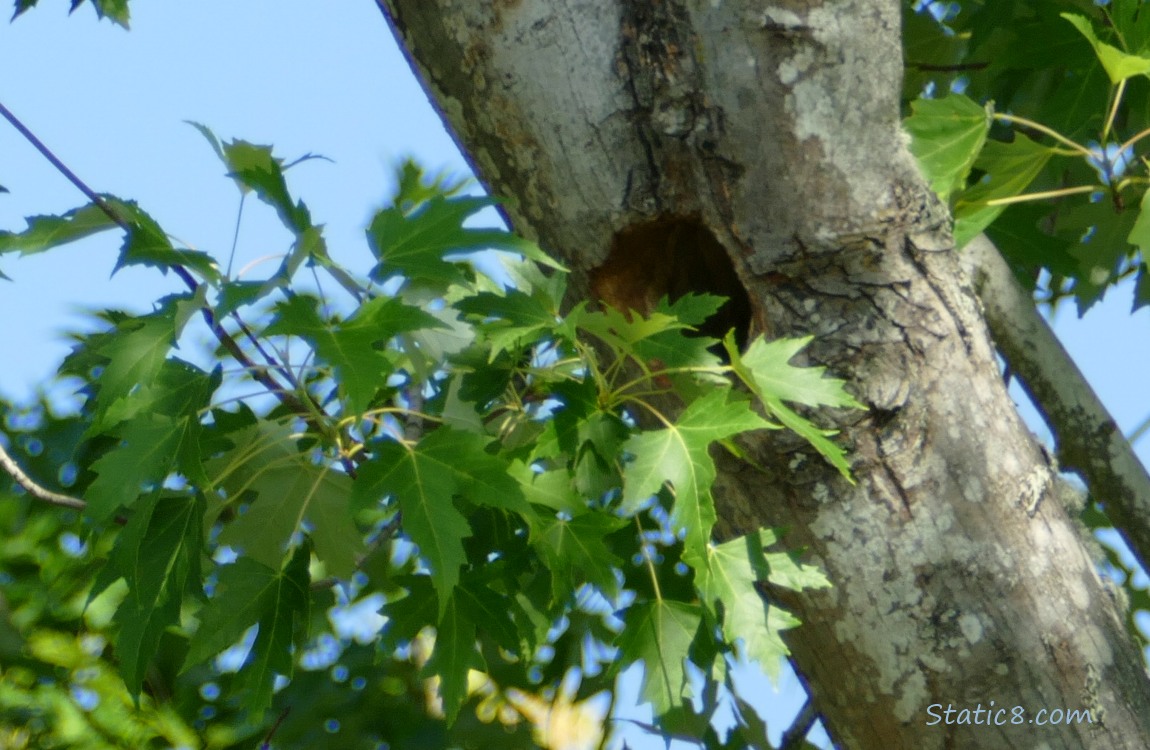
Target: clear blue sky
x=305 y=75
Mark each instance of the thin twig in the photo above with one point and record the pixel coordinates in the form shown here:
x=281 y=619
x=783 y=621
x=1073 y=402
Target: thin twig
x=796 y=734
x=230 y=344
x=954 y=68
x=35 y=490
x=62 y=168
x=267 y=743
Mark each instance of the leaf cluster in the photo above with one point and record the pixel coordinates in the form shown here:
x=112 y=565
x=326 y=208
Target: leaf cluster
x=1030 y=118
x=525 y=489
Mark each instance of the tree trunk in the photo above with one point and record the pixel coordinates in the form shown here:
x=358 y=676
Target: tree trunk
x=653 y=144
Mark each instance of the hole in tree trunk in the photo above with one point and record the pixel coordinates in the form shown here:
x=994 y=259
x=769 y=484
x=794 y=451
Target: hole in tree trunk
x=673 y=256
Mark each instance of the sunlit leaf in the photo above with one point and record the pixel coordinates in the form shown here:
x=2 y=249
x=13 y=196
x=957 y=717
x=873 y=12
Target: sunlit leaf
x=660 y=634
x=678 y=454
x=1010 y=168
x=946 y=137
x=1119 y=65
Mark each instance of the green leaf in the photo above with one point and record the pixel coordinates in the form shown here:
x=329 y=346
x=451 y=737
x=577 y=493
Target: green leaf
x=146 y=244
x=414 y=242
x=291 y=490
x=678 y=454
x=1010 y=168
x=1119 y=65
x=1140 y=233
x=256 y=168
x=489 y=611
x=354 y=347
x=179 y=389
x=576 y=552
x=660 y=633
x=217 y=146
x=46 y=232
x=158 y=553
x=248 y=593
x=23 y=6
x=454 y=655
x=728 y=577
x=511 y=319
x=768 y=363
x=409 y=614
x=145 y=457
x=550 y=489
x=131 y=355
x=774 y=381
x=235 y=294
x=1101 y=237
x=946 y=137
x=310 y=247
x=679 y=347
x=114 y=10
x=1141 y=288
x=425 y=478
x=1132 y=23
x=622 y=331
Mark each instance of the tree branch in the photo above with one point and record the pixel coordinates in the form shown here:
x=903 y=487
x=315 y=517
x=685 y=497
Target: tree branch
x=285 y=396
x=796 y=734
x=35 y=490
x=1087 y=438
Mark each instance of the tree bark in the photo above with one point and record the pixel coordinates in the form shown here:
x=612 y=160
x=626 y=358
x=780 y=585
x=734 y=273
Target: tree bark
x=614 y=127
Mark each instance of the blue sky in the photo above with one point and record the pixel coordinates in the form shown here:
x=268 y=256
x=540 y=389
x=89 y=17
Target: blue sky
x=304 y=75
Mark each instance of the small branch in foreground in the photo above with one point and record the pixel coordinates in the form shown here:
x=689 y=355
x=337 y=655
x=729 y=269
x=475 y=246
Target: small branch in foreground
x=797 y=733
x=954 y=68
x=285 y=396
x=35 y=490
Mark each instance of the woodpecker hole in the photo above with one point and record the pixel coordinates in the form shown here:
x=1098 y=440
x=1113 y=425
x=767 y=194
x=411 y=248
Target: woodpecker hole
x=670 y=257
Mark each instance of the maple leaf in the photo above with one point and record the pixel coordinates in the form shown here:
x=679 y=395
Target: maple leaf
x=765 y=368
x=413 y=241
x=46 y=232
x=678 y=454
x=728 y=577
x=291 y=490
x=425 y=478
x=151 y=445
x=576 y=552
x=353 y=347
x=158 y=554
x=277 y=600
x=454 y=656
x=660 y=633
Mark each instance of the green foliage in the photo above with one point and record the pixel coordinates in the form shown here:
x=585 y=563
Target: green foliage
x=1053 y=170
x=114 y=10
x=517 y=487
x=453 y=444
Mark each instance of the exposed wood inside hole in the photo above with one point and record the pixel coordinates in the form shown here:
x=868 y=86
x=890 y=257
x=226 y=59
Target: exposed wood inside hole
x=671 y=257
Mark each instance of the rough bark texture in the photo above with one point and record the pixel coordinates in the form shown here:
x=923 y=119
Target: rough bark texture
x=773 y=132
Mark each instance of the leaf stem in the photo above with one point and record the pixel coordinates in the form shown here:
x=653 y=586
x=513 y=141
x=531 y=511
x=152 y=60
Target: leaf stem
x=1044 y=195
x=650 y=563
x=1130 y=143
x=1016 y=120
x=236 y=236
x=1118 y=92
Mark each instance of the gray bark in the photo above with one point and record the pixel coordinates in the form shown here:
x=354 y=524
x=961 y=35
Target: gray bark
x=1088 y=439
x=776 y=131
